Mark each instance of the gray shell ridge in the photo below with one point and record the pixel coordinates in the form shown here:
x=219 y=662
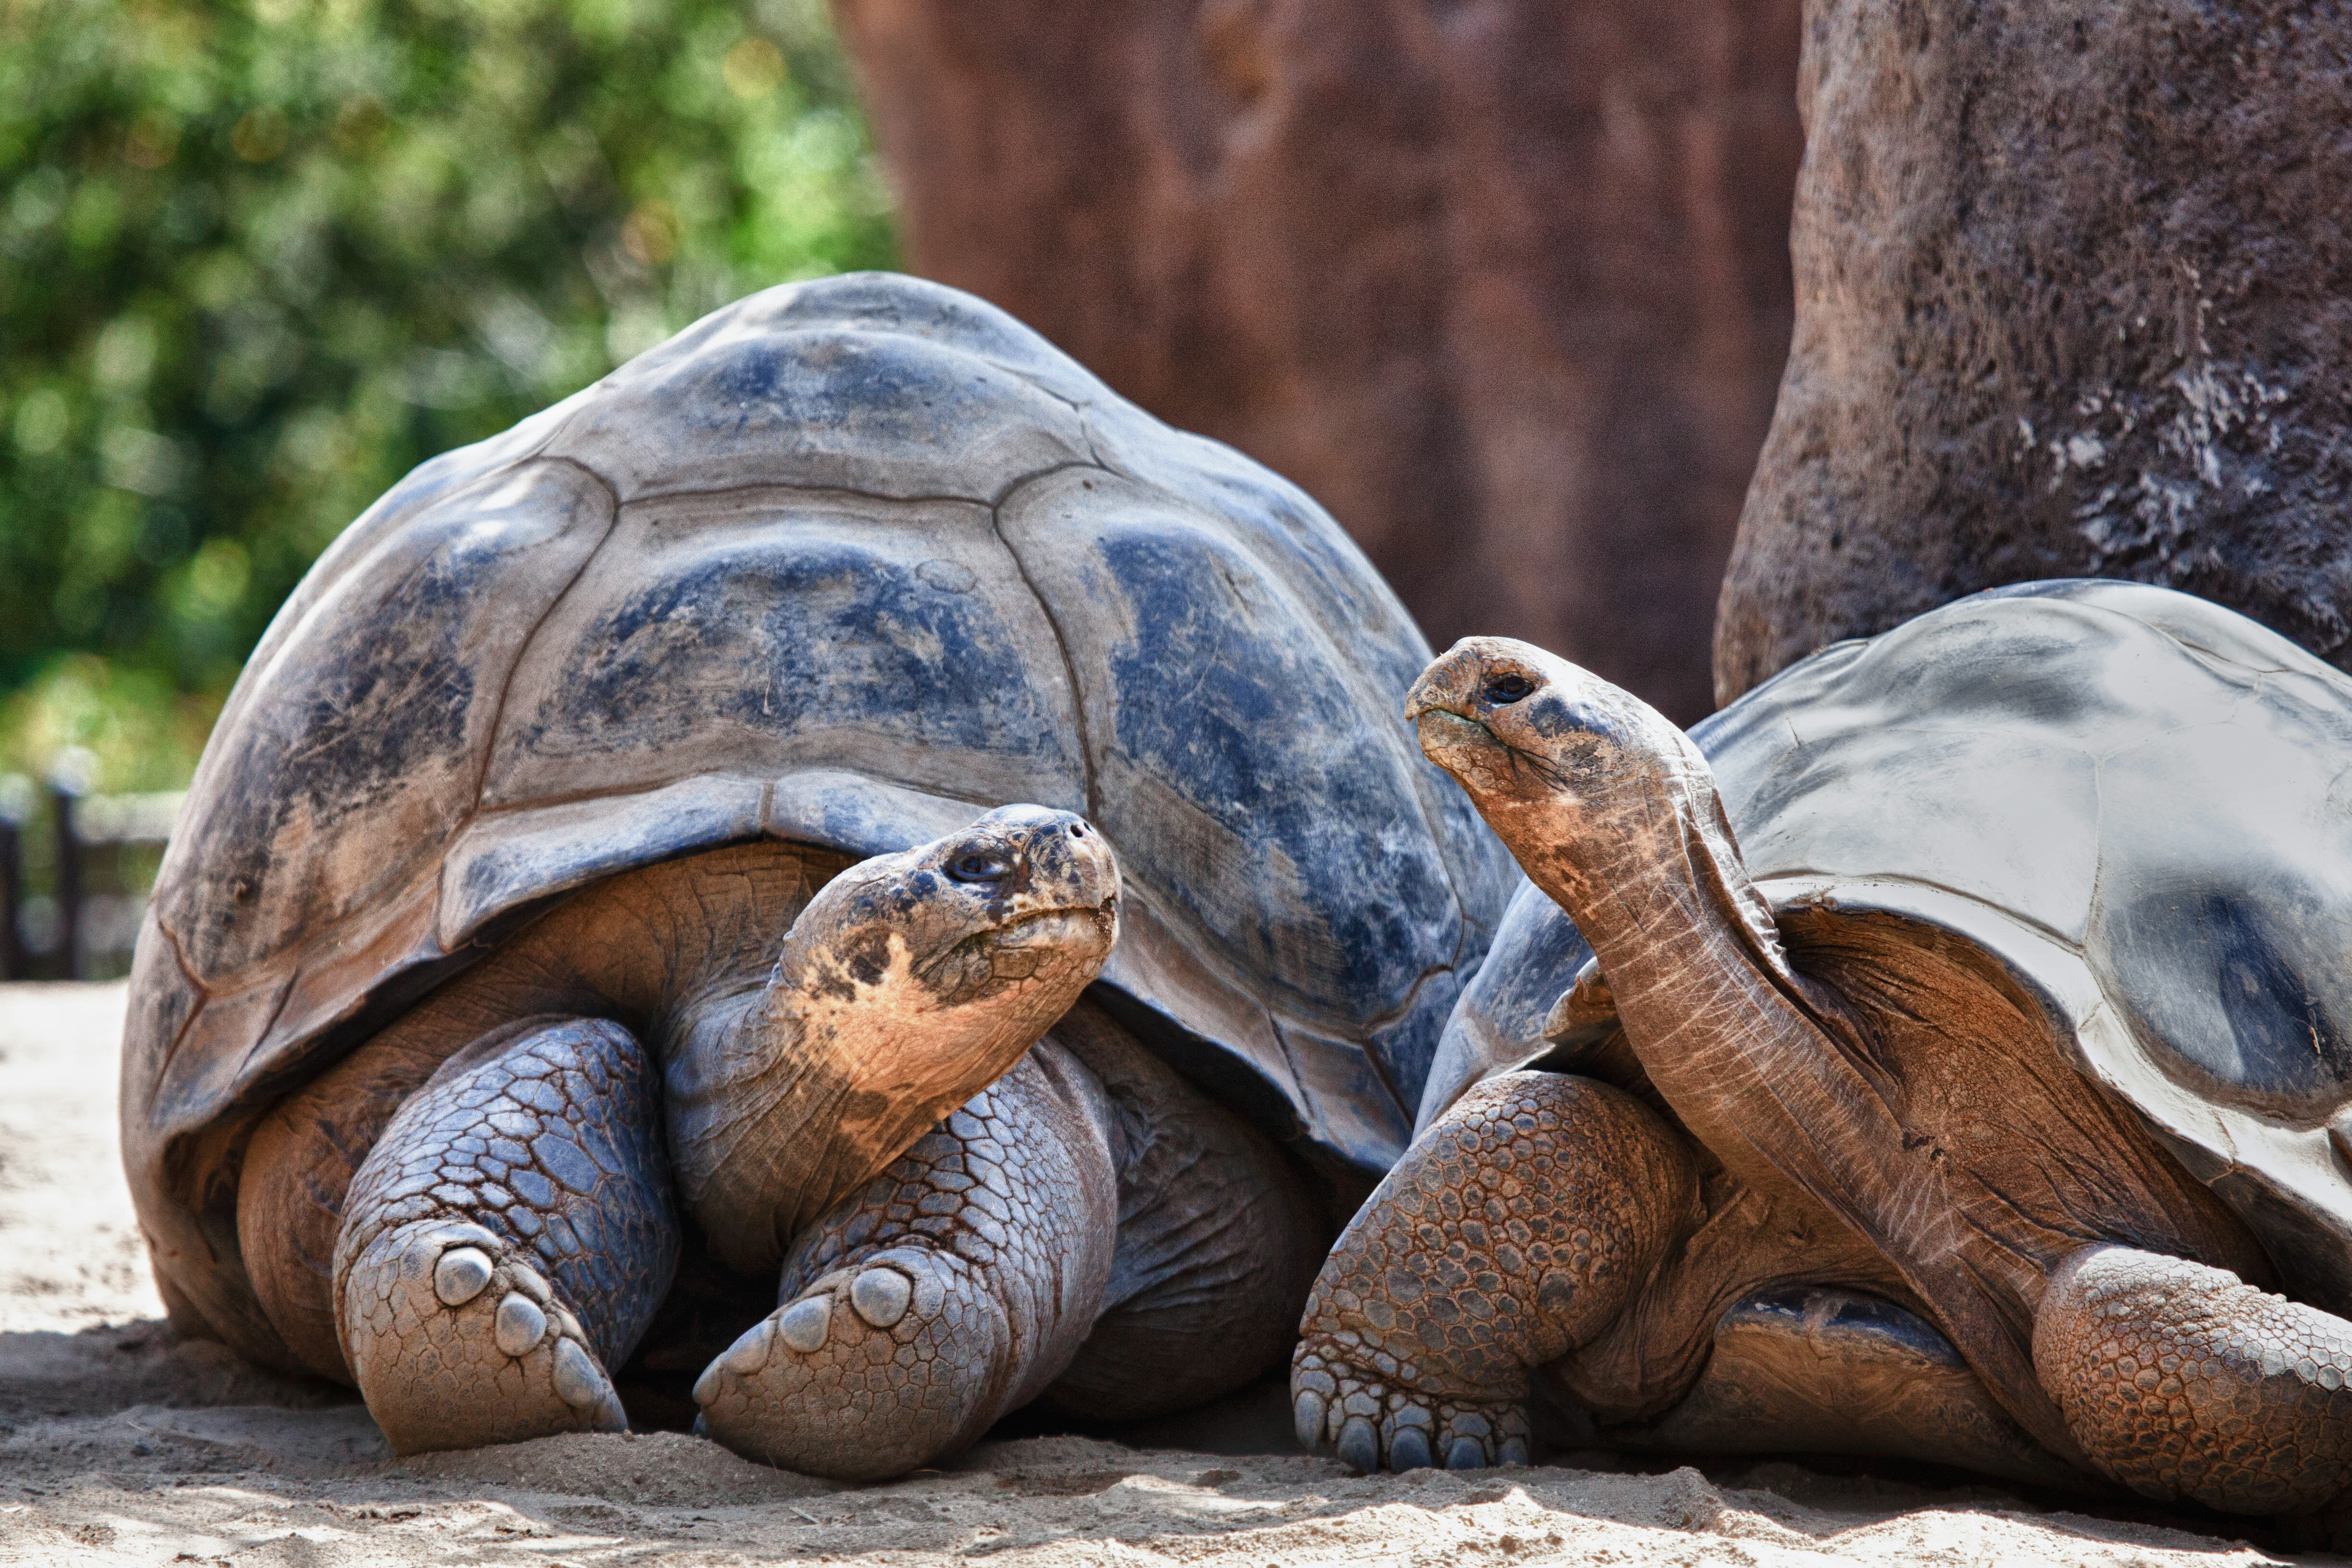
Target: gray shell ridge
x=2136 y=801
x=849 y=562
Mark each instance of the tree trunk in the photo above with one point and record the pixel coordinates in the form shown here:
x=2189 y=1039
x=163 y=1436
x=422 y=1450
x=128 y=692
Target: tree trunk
x=1504 y=284
x=2074 y=299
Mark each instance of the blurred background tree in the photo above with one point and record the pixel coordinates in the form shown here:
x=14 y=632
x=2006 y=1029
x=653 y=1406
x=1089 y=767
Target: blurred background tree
x=256 y=260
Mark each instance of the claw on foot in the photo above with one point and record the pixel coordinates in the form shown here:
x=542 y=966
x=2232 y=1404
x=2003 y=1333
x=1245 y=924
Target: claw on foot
x=1376 y=1422
x=870 y=1371
x=461 y=1275
x=456 y=1342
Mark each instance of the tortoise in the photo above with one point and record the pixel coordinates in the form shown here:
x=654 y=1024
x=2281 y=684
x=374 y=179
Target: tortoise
x=640 y=830
x=1994 y=1074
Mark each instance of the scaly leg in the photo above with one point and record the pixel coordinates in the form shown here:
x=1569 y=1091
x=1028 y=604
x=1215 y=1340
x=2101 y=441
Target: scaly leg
x=954 y=1289
x=1513 y=1231
x=2182 y=1381
x=508 y=1239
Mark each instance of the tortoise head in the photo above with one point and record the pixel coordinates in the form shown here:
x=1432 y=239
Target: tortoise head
x=1607 y=806
x=1561 y=763
x=908 y=984
x=1012 y=917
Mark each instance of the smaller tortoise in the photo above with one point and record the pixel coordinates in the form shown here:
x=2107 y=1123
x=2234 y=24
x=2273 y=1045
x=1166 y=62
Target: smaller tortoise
x=2025 y=1016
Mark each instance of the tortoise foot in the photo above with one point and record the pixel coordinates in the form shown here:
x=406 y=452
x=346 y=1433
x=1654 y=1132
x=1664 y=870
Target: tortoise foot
x=955 y=1288
x=457 y=1343
x=1516 y=1228
x=1375 y=1423
x=873 y=1370
x=532 y=1153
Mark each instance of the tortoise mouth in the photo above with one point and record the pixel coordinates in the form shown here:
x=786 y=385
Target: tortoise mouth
x=1441 y=729
x=1485 y=763
x=1072 y=926
x=1036 y=946
x=1454 y=740
x=1051 y=927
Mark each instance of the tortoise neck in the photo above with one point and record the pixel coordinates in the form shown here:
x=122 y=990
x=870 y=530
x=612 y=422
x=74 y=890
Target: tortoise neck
x=1739 y=1045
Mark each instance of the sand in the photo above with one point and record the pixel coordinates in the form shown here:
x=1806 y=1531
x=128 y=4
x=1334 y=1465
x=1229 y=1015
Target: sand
x=118 y=1444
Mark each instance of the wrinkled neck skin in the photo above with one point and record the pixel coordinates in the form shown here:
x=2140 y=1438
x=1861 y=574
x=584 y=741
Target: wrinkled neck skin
x=1762 y=1063
x=1748 y=1053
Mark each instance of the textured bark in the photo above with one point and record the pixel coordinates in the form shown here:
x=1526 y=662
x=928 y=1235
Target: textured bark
x=1505 y=286
x=2075 y=297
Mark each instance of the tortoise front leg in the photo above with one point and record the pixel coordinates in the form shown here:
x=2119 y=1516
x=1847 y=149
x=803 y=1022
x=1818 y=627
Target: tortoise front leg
x=508 y=1239
x=952 y=1290
x=2182 y=1381
x=1514 y=1230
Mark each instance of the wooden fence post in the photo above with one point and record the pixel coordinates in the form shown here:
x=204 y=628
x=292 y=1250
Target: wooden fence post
x=13 y=810
x=63 y=798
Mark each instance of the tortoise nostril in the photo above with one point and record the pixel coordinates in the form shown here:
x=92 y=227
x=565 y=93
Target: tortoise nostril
x=1077 y=830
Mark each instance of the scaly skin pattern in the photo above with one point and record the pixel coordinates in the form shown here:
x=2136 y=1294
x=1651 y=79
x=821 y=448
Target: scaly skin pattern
x=2182 y=1381
x=643 y=948
x=1514 y=1230
x=535 y=1153
x=954 y=1289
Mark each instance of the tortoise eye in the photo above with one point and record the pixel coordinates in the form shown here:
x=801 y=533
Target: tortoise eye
x=1509 y=689
x=979 y=865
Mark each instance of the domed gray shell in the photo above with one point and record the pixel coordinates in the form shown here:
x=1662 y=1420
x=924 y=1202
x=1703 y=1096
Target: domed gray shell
x=847 y=562
x=2138 y=801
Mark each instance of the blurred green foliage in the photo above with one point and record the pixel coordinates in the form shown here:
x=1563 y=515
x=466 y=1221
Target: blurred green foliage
x=257 y=260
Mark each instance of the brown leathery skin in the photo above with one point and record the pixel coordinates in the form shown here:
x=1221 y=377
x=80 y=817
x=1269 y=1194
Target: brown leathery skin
x=297 y=1169
x=1646 y=1361
x=1612 y=812
x=780 y=987
x=1091 y=1225
x=1220 y=1235
x=535 y=1160
x=545 y=1135
x=1516 y=1229
x=1885 y=1088
x=955 y=1286
x=2186 y=1383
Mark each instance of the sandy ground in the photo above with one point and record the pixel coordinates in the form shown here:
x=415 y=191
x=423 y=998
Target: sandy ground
x=119 y=1445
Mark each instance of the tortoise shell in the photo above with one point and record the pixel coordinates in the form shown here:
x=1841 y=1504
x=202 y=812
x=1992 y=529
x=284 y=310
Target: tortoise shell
x=848 y=563
x=2135 y=802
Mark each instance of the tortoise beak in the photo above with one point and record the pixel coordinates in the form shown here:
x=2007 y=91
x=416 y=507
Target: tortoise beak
x=1447 y=685
x=1454 y=743
x=1442 y=706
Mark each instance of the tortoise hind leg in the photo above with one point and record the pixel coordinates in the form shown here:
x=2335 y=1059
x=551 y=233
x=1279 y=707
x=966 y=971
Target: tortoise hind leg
x=2182 y=1381
x=507 y=1238
x=1218 y=1239
x=950 y=1290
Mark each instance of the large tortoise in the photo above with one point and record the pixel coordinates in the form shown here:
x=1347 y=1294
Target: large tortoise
x=1966 y=1104
x=592 y=882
